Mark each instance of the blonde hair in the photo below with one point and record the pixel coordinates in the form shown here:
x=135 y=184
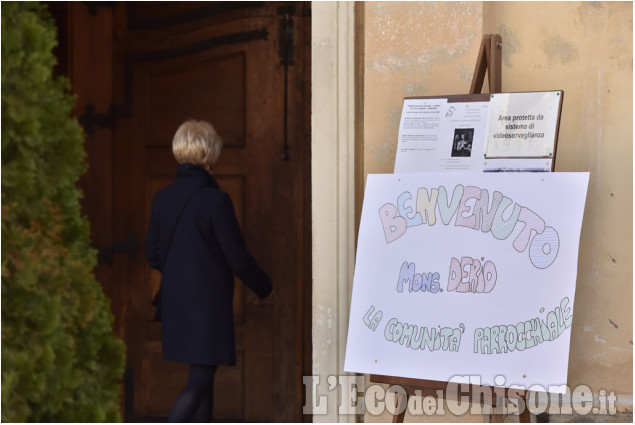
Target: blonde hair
x=197 y=142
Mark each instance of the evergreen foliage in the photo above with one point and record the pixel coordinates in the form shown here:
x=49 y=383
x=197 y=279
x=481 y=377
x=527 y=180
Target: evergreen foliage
x=61 y=360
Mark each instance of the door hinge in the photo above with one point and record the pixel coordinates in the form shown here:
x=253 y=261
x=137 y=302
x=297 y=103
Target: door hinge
x=129 y=246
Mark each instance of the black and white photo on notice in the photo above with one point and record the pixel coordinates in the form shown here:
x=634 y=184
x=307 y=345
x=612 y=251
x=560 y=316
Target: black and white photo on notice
x=462 y=144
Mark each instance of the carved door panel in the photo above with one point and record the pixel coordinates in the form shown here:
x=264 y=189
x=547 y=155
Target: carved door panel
x=219 y=62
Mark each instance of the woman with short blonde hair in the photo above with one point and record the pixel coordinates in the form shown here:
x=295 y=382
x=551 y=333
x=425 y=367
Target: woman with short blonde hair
x=198 y=143
x=195 y=241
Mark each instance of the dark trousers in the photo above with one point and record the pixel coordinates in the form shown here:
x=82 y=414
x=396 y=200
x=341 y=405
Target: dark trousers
x=195 y=402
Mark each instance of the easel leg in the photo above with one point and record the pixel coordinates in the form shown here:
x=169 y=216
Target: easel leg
x=489 y=59
x=525 y=416
x=494 y=63
x=402 y=404
x=481 y=66
x=497 y=415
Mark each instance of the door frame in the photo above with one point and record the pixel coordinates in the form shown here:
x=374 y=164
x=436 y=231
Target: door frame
x=335 y=188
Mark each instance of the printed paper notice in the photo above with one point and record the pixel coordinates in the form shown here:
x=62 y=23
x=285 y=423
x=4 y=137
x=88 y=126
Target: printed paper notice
x=437 y=136
x=522 y=124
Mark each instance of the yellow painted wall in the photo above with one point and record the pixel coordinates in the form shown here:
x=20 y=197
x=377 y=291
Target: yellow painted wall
x=412 y=49
x=583 y=48
x=586 y=49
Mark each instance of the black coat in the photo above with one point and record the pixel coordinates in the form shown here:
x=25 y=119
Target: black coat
x=197 y=282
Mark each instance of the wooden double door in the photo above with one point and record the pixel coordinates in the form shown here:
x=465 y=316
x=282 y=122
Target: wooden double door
x=244 y=67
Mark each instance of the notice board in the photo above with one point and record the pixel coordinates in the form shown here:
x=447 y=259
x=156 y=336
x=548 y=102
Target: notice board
x=467 y=274
x=500 y=132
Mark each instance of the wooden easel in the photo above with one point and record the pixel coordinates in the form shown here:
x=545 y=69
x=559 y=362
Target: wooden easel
x=489 y=60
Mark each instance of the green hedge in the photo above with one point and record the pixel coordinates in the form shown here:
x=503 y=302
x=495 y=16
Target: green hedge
x=61 y=360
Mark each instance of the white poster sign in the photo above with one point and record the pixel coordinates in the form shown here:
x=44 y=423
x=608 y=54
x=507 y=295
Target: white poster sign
x=435 y=135
x=522 y=124
x=464 y=274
